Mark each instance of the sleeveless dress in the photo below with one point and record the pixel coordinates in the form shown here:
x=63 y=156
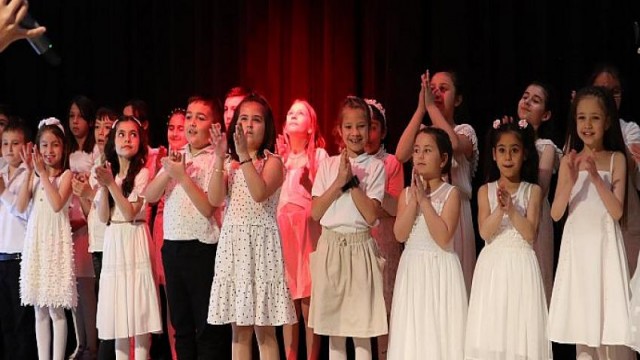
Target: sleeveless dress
x=507 y=316
x=127 y=301
x=590 y=300
x=429 y=307
x=47 y=271
x=298 y=230
x=249 y=285
x=544 y=243
x=462 y=171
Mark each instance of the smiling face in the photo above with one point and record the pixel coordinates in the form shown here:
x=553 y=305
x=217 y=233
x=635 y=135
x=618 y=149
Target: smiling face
x=509 y=155
x=176 y=134
x=354 y=130
x=533 y=106
x=252 y=117
x=591 y=122
x=197 y=122
x=78 y=125
x=51 y=148
x=427 y=159
x=12 y=143
x=127 y=139
x=101 y=131
x=445 y=96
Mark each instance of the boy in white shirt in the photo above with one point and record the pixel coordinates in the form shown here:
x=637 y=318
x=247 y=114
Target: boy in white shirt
x=17 y=322
x=191 y=236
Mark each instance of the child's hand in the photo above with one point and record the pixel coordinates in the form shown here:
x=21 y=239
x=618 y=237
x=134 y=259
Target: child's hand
x=344 y=171
x=80 y=185
x=589 y=164
x=240 y=140
x=428 y=93
x=281 y=145
x=504 y=199
x=104 y=176
x=569 y=168
x=38 y=163
x=419 y=187
x=218 y=140
x=175 y=165
x=421 y=106
x=25 y=155
x=162 y=152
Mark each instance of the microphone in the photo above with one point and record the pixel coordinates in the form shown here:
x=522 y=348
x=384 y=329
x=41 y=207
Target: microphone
x=41 y=44
x=636 y=35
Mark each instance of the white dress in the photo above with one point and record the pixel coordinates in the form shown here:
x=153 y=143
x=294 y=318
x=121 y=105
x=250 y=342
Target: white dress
x=127 y=300
x=249 y=285
x=507 y=316
x=590 y=300
x=462 y=171
x=429 y=307
x=47 y=272
x=544 y=243
x=81 y=162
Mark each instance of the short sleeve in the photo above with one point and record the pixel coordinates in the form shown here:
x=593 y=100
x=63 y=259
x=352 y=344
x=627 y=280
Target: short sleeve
x=139 y=184
x=319 y=184
x=541 y=144
x=630 y=132
x=470 y=133
x=376 y=181
x=321 y=154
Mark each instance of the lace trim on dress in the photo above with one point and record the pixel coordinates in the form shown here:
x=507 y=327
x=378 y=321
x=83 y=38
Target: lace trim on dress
x=468 y=131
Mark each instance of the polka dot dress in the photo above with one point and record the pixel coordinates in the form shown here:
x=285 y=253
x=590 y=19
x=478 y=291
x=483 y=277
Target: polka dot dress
x=249 y=286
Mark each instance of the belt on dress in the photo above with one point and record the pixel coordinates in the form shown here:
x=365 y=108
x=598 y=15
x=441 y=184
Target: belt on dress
x=9 y=257
x=132 y=222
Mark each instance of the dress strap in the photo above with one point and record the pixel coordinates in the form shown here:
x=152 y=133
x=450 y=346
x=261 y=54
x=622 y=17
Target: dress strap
x=527 y=195
x=446 y=196
x=613 y=153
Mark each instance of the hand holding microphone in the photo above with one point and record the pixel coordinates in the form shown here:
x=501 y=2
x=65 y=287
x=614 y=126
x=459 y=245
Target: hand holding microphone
x=12 y=14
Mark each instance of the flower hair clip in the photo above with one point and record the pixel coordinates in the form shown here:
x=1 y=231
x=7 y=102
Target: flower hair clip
x=522 y=124
x=177 y=110
x=373 y=102
x=51 y=122
x=497 y=123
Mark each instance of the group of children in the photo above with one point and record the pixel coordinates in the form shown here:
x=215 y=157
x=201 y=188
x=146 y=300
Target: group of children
x=259 y=230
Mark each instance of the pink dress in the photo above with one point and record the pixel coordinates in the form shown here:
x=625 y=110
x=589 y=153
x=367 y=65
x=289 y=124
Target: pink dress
x=298 y=230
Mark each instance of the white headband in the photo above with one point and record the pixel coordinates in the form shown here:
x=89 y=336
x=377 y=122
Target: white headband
x=51 y=122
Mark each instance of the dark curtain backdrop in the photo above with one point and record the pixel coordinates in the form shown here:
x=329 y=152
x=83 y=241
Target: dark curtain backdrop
x=164 y=51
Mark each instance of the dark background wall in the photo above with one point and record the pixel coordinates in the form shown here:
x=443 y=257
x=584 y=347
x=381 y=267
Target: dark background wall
x=163 y=51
